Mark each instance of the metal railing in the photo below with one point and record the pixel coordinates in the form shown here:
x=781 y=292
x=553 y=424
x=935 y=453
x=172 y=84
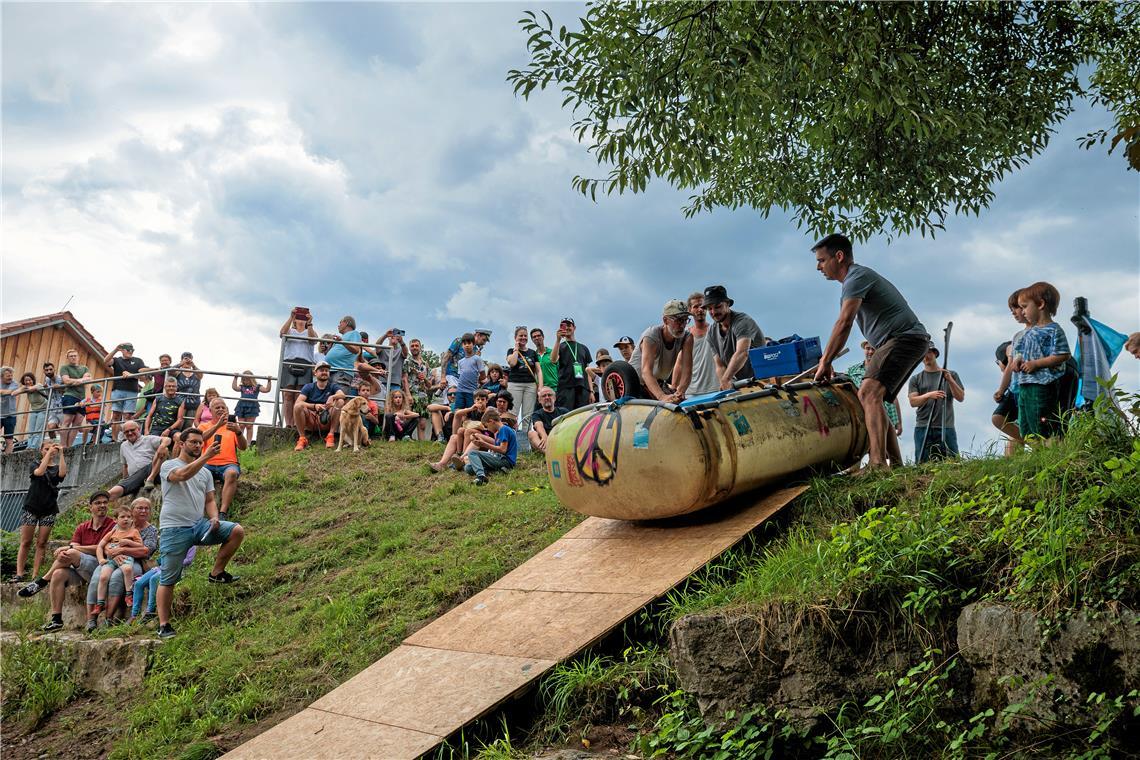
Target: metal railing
x=57 y=391
x=283 y=363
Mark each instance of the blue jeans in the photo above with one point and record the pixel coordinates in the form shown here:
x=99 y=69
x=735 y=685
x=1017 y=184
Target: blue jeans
x=939 y=443
x=146 y=585
x=36 y=423
x=175 y=542
x=478 y=462
x=115 y=587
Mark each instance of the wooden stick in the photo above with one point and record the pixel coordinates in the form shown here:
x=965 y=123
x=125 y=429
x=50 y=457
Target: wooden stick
x=813 y=368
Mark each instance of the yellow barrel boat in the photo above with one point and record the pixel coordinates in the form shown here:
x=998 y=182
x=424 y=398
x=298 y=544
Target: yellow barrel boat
x=646 y=460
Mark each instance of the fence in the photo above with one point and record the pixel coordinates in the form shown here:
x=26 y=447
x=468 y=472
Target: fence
x=287 y=364
x=56 y=393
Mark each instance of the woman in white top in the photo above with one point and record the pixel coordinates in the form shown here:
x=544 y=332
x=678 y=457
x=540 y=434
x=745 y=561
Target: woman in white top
x=297 y=368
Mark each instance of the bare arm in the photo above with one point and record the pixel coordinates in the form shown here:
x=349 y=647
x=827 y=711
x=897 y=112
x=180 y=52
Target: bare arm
x=45 y=460
x=956 y=390
x=684 y=367
x=839 y=334
x=187 y=471
x=267 y=387
x=648 y=357
x=234 y=385
x=62 y=464
x=738 y=360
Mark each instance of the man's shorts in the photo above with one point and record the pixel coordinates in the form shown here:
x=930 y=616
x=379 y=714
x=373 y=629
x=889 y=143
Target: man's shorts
x=218 y=471
x=34 y=521
x=73 y=405
x=133 y=482
x=895 y=360
x=175 y=542
x=342 y=378
x=1007 y=407
x=124 y=401
x=9 y=425
x=87 y=566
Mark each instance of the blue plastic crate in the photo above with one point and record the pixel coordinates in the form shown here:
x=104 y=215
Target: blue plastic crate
x=789 y=358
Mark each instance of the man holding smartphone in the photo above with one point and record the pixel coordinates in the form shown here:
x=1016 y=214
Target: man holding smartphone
x=189 y=517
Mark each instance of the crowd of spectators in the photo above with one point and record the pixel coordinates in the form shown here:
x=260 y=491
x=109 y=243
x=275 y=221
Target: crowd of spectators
x=183 y=441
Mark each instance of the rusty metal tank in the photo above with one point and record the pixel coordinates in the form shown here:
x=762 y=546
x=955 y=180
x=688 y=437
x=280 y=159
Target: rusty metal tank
x=645 y=460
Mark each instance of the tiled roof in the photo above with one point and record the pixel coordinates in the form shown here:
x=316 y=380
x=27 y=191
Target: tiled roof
x=65 y=317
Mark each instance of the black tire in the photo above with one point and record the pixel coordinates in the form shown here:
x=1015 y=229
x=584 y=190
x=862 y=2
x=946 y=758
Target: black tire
x=620 y=380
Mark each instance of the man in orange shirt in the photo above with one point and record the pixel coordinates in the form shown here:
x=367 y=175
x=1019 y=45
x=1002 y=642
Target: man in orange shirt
x=224 y=466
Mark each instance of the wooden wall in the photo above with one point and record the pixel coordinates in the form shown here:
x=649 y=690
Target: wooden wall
x=27 y=352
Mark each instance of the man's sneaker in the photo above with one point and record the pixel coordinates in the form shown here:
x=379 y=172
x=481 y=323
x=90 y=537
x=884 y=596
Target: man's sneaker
x=223 y=577
x=166 y=631
x=148 y=617
x=31 y=589
x=223 y=516
x=480 y=481
x=17 y=579
x=92 y=624
x=329 y=441
x=52 y=625
x=302 y=442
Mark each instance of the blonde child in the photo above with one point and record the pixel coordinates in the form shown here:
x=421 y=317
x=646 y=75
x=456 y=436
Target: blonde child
x=248 y=408
x=1038 y=358
x=124 y=536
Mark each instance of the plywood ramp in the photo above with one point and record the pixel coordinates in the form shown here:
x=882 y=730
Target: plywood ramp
x=497 y=643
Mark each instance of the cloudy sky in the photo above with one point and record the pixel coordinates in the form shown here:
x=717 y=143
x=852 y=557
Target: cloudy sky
x=185 y=174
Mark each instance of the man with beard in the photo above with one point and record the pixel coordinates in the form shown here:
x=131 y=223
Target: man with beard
x=732 y=337
x=705 y=379
x=661 y=367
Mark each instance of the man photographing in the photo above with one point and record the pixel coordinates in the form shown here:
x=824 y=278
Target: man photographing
x=189 y=517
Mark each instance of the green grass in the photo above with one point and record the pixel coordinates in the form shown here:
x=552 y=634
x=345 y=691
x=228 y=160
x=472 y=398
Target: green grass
x=344 y=556
x=1052 y=529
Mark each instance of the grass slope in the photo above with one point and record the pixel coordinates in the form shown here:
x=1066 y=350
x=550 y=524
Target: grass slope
x=345 y=555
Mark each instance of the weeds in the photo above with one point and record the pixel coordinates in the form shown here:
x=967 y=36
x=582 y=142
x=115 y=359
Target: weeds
x=36 y=683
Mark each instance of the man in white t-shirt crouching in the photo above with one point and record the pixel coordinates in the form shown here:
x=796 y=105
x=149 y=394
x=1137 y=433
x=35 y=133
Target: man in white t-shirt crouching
x=189 y=517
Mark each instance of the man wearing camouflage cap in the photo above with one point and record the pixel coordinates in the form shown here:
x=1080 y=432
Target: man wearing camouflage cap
x=661 y=367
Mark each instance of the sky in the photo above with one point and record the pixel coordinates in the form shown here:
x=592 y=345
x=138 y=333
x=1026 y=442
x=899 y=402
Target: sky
x=182 y=175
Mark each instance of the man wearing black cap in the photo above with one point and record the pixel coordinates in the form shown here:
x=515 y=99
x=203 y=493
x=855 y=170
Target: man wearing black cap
x=934 y=433
x=125 y=388
x=886 y=321
x=572 y=359
x=625 y=346
x=734 y=334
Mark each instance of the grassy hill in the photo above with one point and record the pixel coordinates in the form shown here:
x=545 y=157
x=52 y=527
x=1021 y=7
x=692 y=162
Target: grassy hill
x=345 y=555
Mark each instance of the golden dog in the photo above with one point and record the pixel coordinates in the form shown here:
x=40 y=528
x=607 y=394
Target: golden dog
x=351 y=428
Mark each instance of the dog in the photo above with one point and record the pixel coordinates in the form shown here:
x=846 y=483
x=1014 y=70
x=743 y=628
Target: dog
x=351 y=428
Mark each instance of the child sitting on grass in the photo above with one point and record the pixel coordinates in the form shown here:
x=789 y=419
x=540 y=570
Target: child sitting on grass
x=124 y=536
x=1038 y=358
x=498 y=453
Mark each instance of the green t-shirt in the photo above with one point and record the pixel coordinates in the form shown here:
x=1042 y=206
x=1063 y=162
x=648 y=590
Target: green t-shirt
x=549 y=369
x=75 y=372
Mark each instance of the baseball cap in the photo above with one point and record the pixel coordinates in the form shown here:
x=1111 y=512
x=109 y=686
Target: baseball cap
x=568 y=319
x=675 y=308
x=482 y=331
x=624 y=340
x=128 y=346
x=864 y=344
x=322 y=364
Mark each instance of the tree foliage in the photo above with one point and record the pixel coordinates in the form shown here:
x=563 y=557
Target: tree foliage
x=864 y=117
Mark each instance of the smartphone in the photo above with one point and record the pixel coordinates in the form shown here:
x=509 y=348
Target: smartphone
x=232 y=418
x=217 y=439
x=302 y=312
x=401 y=333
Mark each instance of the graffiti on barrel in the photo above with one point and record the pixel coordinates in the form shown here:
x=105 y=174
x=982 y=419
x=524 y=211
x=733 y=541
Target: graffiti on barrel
x=596 y=447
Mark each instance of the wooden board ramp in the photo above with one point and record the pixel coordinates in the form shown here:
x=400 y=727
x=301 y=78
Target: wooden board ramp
x=494 y=646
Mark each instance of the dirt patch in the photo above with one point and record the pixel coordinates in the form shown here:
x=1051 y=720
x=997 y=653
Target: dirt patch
x=78 y=731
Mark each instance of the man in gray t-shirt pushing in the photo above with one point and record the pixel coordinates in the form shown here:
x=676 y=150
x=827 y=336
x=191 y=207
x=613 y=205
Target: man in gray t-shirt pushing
x=189 y=517
x=888 y=324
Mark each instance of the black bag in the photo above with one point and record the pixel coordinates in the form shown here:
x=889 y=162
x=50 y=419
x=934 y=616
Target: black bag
x=299 y=370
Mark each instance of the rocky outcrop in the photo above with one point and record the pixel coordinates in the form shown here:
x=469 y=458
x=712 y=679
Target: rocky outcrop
x=1051 y=676
x=74 y=604
x=105 y=666
x=810 y=664
x=806 y=665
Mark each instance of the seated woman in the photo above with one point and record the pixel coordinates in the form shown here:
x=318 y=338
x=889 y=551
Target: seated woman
x=465 y=423
x=116 y=588
x=399 y=419
x=505 y=403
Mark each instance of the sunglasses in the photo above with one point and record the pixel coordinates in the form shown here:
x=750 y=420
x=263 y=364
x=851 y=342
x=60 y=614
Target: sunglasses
x=520 y=327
